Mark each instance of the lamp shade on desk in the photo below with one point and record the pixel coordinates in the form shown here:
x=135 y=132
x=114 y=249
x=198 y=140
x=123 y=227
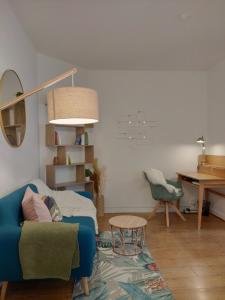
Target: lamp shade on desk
x=200 y=140
x=72 y=106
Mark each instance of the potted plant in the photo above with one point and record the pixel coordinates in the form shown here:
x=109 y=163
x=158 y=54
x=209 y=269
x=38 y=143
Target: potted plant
x=88 y=174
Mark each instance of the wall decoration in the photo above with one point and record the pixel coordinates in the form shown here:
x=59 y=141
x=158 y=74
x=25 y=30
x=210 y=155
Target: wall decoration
x=136 y=128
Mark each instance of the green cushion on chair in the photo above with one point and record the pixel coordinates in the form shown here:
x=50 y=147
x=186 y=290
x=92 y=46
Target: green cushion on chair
x=159 y=192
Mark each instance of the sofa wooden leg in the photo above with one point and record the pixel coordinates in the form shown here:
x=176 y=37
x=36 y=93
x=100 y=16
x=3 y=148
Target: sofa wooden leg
x=3 y=290
x=85 y=286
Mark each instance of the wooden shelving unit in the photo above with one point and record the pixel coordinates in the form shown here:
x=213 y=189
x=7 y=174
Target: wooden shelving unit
x=62 y=149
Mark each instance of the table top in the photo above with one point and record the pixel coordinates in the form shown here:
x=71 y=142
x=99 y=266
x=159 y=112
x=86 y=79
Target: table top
x=127 y=222
x=200 y=176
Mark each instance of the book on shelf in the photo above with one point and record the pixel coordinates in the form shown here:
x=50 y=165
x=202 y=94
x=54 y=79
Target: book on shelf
x=57 y=138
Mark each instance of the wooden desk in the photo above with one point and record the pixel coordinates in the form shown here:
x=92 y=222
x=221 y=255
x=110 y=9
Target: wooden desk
x=203 y=182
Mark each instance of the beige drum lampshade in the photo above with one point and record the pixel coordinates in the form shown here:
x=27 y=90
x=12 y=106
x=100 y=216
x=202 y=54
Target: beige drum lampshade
x=72 y=105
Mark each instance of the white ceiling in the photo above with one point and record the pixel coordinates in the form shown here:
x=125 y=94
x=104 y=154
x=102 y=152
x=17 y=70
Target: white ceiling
x=127 y=34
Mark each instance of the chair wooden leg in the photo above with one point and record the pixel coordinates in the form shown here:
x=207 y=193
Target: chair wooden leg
x=178 y=204
x=167 y=215
x=177 y=211
x=154 y=210
x=3 y=290
x=85 y=286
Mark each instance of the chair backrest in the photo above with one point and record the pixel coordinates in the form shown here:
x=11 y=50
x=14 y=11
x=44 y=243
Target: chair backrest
x=153 y=188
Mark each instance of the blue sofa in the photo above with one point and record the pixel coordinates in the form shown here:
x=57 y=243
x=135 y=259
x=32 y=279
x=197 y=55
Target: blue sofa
x=10 y=218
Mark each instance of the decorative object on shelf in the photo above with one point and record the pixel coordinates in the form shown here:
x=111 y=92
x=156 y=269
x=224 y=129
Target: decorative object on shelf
x=13 y=118
x=55 y=160
x=68 y=160
x=57 y=140
x=99 y=176
x=88 y=174
x=66 y=105
x=82 y=139
x=78 y=140
x=86 y=138
x=136 y=127
x=201 y=141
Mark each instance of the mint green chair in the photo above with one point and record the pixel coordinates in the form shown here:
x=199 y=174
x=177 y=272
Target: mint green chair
x=165 y=199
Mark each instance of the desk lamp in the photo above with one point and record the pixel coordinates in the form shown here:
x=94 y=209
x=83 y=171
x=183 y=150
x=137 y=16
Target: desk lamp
x=201 y=141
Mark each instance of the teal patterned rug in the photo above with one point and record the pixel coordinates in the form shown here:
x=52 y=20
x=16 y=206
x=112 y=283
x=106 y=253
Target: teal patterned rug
x=117 y=277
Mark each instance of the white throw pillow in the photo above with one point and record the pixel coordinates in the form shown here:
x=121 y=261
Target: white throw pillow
x=156 y=177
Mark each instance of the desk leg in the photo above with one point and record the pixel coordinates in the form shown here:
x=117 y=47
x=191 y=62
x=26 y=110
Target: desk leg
x=200 y=202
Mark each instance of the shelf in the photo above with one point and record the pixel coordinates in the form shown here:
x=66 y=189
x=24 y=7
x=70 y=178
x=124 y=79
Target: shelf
x=71 y=183
x=13 y=126
x=213 y=166
x=64 y=165
x=72 y=145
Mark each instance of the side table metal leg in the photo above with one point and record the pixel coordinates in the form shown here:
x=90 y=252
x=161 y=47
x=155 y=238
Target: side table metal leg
x=113 y=239
x=122 y=239
x=142 y=238
x=136 y=241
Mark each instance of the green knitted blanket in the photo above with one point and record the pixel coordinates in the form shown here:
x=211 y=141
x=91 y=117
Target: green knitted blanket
x=49 y=250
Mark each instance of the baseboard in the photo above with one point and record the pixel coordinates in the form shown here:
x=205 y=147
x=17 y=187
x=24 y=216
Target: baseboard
x=139 y=209
x=128 y=209
x=218 y=214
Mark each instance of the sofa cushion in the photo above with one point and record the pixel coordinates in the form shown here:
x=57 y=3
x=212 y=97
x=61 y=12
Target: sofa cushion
x=34 y=209
x=10 y=206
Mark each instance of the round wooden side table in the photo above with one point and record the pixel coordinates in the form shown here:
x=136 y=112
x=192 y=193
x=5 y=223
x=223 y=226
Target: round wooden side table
x=128 y=233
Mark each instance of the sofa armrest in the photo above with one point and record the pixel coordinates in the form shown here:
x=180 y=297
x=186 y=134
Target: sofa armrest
x=86 y=194
x=9 y=253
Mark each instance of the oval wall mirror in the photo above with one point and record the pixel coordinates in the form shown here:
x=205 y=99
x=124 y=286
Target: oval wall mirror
x=13 y=119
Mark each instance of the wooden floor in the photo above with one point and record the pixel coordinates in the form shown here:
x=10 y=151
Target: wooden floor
x=192 y=262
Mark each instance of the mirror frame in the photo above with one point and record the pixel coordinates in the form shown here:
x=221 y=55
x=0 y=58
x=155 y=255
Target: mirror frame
x=1 y=112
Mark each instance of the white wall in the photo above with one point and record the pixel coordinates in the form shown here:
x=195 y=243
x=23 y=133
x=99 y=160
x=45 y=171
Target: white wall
x=48 y=68
x=177 y=100
x=18 y=165
x=216 y=124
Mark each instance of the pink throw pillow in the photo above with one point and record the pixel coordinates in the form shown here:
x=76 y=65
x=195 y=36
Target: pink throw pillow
x=34 y=209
